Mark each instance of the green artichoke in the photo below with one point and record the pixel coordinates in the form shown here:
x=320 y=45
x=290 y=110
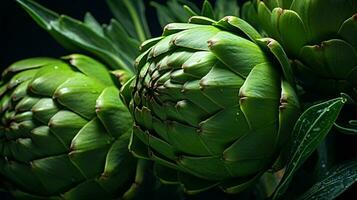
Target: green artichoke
x=319 y=37
x=211 y=104
x=64 y=131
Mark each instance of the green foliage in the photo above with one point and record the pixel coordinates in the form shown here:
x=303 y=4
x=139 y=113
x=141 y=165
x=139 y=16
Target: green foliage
x=117 y=43
x=316 y=56
x=310 y=129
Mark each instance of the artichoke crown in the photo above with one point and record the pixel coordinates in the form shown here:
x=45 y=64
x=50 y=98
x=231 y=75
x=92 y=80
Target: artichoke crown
x=211 y=103
x=64 y=130
x=319 y=37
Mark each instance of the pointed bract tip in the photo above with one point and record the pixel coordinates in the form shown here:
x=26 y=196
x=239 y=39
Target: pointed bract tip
x=280 y=11
x=211 y=43
x=354 y=17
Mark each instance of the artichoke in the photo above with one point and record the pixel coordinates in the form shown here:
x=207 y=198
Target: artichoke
x=64 y=131
x=319 y=37
x=212 y=102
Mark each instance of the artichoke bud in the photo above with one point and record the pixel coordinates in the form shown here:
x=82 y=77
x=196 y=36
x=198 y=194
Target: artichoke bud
x=122 y=76
x=64 y=130
x=212 y=105
x=319 y=37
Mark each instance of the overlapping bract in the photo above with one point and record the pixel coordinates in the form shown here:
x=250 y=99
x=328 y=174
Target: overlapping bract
x=318 y=35
x=64 y=131
x=210 y=104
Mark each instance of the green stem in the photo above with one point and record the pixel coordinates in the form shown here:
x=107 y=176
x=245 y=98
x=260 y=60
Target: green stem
x=136 y=21
x=139 y=178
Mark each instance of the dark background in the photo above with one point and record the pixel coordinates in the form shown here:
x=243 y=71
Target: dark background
x=21 y=37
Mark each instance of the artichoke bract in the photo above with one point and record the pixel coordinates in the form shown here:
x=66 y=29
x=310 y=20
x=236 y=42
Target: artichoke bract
x=211 y=104
x=64 y=131
x=319 y=37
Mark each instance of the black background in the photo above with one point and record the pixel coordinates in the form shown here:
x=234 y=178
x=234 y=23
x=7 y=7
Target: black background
x=21 y=37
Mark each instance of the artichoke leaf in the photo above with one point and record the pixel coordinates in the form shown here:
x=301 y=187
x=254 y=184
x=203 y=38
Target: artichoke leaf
x=311 y=128
x=338 y=179
x=349 y=26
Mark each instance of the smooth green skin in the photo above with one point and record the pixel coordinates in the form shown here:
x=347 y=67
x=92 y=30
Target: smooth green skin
x=319 y=37
x=210 y=105
x=64 y=131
